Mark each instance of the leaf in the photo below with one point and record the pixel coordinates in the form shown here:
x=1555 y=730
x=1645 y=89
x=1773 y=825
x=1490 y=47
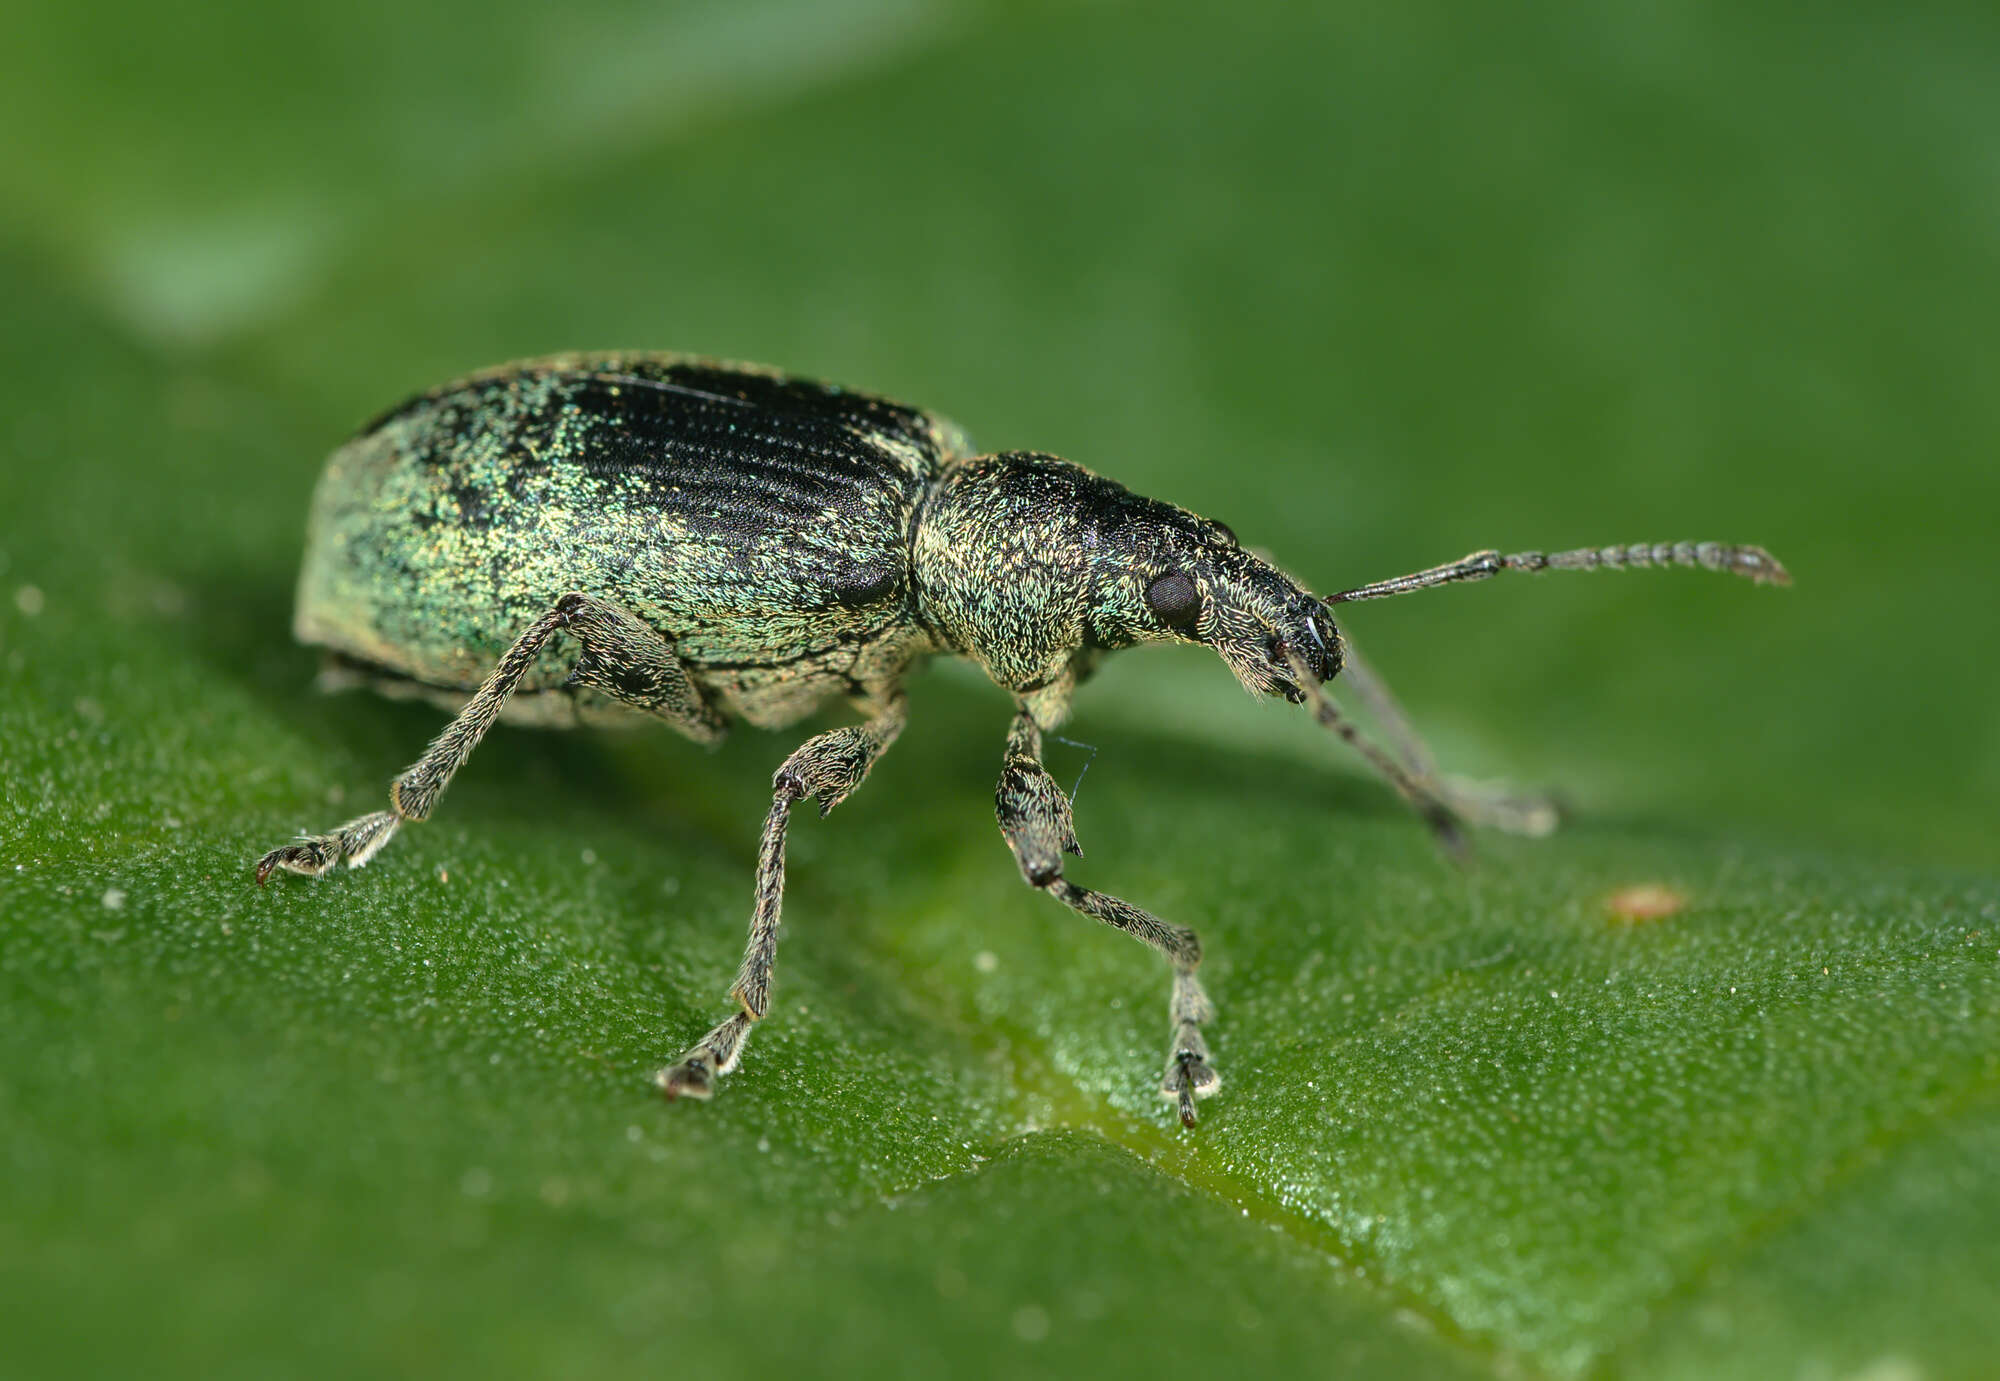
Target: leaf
x=1366 y=289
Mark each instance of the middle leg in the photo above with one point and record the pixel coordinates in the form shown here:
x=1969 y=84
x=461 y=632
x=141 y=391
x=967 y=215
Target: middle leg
x=1035 y=818
x=827 y=768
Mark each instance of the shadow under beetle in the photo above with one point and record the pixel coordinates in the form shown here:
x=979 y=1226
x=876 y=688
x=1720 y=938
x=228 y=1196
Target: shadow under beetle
x=588 y=538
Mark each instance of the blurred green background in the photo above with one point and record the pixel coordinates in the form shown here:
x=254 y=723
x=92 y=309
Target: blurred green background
x=1375 y=284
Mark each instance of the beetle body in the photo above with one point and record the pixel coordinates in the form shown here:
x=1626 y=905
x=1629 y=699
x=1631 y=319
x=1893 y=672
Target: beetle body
x=761 y=523
x=597 y=538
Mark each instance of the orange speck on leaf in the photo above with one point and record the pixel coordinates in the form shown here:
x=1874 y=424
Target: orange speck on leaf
x=1644 y=901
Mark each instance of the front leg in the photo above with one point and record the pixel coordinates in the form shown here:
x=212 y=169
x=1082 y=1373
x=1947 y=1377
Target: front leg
x=1035 y=818
x=827 y=768
x=1493 y=805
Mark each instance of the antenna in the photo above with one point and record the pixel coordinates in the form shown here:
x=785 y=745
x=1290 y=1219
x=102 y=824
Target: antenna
x=1752 y=563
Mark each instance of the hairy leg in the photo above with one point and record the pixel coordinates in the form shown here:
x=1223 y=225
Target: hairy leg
x=827 y=768
x=1494 y=805
x=1035 y=818
x=622 y=657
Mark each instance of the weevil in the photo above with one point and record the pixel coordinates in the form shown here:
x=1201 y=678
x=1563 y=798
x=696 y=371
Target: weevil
x=602 y=538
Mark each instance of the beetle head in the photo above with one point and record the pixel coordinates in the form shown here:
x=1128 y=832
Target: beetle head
x=1167 y=575
x=1030 y=563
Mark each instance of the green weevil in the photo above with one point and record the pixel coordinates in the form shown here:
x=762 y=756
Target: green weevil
x=594 y=538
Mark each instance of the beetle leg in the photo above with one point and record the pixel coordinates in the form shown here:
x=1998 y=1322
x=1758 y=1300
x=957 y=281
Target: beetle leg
x=622 y=657
x=1035 y=818
x=357 y=841
x=826 y=768
x=1494 y=805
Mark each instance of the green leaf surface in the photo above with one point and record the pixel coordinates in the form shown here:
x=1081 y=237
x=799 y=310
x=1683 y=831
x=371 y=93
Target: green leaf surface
x=1376 y=286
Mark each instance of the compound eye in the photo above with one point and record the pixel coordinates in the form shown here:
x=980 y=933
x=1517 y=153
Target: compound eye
x=1174 y=599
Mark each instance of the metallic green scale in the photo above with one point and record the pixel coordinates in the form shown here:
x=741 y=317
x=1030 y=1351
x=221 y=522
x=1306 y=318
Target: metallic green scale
x=760 y=523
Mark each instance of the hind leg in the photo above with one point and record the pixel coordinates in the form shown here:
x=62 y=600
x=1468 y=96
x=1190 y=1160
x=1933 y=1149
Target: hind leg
x=622 y=658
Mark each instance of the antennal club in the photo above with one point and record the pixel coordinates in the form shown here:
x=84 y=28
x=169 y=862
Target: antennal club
x=1752 y=563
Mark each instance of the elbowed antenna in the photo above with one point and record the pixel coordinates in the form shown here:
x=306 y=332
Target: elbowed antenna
x=1752 y=563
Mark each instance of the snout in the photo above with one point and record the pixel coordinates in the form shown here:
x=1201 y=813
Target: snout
x=1308 y=634
x=1314 y=637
